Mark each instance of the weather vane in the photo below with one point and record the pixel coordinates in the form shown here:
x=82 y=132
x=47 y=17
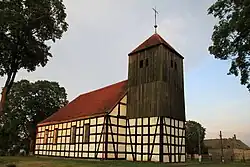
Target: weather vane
x=156 y=12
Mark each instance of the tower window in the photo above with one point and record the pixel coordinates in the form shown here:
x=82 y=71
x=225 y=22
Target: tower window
x=146 y=62
x=172 y=63
x=175 y=65
x=141 y=63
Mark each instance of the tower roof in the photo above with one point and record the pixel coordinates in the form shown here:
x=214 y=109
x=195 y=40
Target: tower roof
x=152 y=41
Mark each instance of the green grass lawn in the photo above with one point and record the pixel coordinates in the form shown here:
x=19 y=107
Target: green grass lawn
x=59 y=162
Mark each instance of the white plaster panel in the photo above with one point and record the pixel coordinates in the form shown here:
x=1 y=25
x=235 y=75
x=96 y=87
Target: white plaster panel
x=40 y=152
x=85 y=147
x=76 y=147
x=64 y=132
x=68 y=131
x=78 y=124
x=101 y=148
x=58 y=154
x=176 y=123
x=114 y=111
x=167 y=121
x=153 y=120
x=86 y=121
x=81 y=130
x=176 y=140
x=92 y=155
x=177 y=158
x=172 y=122
x=66 y=154
x=67 y=139
x=128 y=139
x=138 y=157
x=176 y=131
x=181 y=124
x=100 y=120
x=62 y=154
x=123 y=110
x=131 y=122
x=183 y=158
x=166 y=158
x=183 y=150
x=138 y=148
x=67 y=147
x=77 y=131
x=39 y=129
x=121 y=147
x=155 y=158
x=74 y=123
x=139 y=130
x=99 y=129
x=43 y=128
x=62 y=147
x=91 y=147
x=132 y=130
x=122 y=122
x=72 y=147
x=129 y=148
x=139 y=121
x=158 y=130
x=114 y=129
x=145 y=130
x=129 y=157
x=145 y=157
x=172 y=131
x=157 y=139
x=93 y=121
x=113 y=120
x=151 y=139
x=156 y=149
x=92 y=130
x=84 y=154
x=145 y=148
x=71 y=154
x=100 y=155
x=122 y=139
x=58 y=147
x=110 y=147
x=165 y=149
x=132 y=139
x=152 y=129
x=82 y=122
x=68 y=124
x=80 y=147
x=145 y=121
x=60 y=126
x=36 y=152
x=124 y=99
x=145 y=139
x=122 y=130
x=183 y=141
x=121 y=155
x=92 y=138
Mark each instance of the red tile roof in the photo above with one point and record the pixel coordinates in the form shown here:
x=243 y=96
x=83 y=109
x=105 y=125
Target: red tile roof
x=154 y=40
x=90 y=104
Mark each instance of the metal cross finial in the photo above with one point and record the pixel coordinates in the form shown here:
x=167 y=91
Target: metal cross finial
x=156 y=12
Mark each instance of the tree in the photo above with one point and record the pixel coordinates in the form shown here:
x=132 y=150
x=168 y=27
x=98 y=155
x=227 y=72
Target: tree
x=195 y=135
x=28 y=104
x=231 y=36
x=26 y=27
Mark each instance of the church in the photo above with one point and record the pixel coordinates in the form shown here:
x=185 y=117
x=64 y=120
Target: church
x=138 y=119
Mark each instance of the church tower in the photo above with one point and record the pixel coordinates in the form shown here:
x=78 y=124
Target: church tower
x=156 y=107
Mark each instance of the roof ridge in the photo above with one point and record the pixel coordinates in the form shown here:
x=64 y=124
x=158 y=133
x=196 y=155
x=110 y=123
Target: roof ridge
x=107 y=86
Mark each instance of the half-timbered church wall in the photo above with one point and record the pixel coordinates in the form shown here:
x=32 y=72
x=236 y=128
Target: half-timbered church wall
x=101 y=137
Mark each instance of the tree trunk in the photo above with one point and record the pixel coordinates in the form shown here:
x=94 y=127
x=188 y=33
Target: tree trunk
x=3 y=98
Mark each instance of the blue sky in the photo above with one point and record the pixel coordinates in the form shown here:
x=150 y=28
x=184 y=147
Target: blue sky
x=93 y=53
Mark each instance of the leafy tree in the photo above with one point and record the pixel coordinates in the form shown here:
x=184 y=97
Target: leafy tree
x=26 y=27
x=28 y=104
x=231 y=36
x=195 y=133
